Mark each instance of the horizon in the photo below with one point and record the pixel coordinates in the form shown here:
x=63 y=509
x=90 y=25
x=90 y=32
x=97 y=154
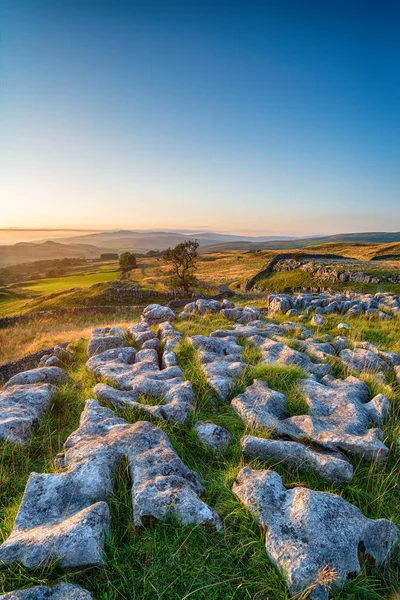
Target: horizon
x=276 y=121
x=26 y=235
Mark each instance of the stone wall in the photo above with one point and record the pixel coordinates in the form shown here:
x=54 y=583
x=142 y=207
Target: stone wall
x=30 y=361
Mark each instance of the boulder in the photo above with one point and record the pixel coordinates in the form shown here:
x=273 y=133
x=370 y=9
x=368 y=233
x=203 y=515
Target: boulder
x=155 y=313
x=213 y=436
x=309 y=533
x=317 y=321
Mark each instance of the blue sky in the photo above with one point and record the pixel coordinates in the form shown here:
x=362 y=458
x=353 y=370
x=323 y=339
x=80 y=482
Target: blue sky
x=271 y=118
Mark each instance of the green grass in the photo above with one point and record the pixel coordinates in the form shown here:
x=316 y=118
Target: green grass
x=59 y=284
x=172 y=562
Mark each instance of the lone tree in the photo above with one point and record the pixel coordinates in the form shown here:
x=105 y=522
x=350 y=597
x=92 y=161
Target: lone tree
x=127 y=262
x=183 y=260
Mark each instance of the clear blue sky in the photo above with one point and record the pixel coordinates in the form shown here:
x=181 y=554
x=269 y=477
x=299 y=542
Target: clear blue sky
x=274 y=117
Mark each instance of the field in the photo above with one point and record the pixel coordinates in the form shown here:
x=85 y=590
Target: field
x=169 y=561
x=86 y=285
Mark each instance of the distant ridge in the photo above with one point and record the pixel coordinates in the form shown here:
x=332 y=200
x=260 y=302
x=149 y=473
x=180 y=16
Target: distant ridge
x=379 y=237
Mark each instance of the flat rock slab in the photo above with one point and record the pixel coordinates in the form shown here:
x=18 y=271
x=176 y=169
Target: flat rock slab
x=308 y=532
x=53 y=375
x=273 y=352
x=330 y=466
x=338 y=419
x=62 y=591
x=360 y=360
x=22 y=408
x=213 y=436
x=221 y=361
x=65 y=517
x=105 y=339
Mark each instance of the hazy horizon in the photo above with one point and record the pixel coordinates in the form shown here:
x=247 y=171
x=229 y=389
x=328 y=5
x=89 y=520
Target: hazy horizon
x=264 y=119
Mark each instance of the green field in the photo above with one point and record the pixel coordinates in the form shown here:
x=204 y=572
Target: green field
x=169 y=561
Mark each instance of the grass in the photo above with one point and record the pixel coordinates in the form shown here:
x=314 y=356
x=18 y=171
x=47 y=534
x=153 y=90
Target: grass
x=169 y=561
x=31 y=336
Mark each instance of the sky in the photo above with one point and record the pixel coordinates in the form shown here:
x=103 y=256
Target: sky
x=268 y=118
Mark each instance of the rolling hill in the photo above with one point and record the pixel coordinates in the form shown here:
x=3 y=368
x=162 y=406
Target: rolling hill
x=30 y=251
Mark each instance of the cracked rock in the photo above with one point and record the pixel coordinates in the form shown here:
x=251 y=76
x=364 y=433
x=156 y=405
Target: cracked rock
x=105 y=338
x=331 y=466
x=22 y=408
x=273 y=352
x=360 y=360
x=64 y=516
x=221 y=360
x=307 y=532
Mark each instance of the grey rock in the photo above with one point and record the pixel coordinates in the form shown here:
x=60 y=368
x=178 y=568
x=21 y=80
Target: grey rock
x=51 y=361
x=155 y=313
x=100 y=343
x=260 y=406
x=273 y=352
x=190 y=308
x=331 y=466
x=64 y=516
x=137 y=376
x=279 y=304
x=53 y=375
x=61 y=591
x=221 y=360
x=360 y=360
x=213 y=436
x=227 y=304
x=317 y=321
x=22 y=408
x=338 y=419
x=342 y=326
x=340 y=343
x=204 y=306
x=307 y=532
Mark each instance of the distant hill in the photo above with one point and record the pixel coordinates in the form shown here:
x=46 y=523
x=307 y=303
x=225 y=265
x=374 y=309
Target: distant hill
x=143 y=241
x=30 y=251
x=356 y=238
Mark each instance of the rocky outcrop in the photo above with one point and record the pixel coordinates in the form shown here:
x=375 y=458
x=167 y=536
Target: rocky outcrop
x=316 y=539
x=64 y=516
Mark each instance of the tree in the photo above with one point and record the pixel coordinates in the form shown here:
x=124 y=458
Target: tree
x=127 y=262
x=183 y=260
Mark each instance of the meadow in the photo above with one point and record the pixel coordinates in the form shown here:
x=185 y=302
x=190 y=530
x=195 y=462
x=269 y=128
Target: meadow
x=169 y=561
